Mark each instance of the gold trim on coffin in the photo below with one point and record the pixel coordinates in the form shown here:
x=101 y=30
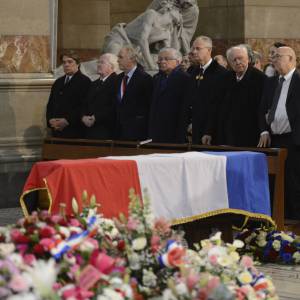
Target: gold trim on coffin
x=46 y=189
x=224 y=211
x=175 y=221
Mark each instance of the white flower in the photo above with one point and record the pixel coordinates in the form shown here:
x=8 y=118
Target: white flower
x=43 y=276
x=149 y=278
x=296 y=257
x=287 y=237
x=245 y=277
x=6 y=249
x=27 y=296
x=65 y=231
x=238 y=244
x=261 y=243
x=134 y=261
x=181 y=289
x=216 y=236
x=168 y=295
x=109 y=294
x=139 y=243
x=276 y=245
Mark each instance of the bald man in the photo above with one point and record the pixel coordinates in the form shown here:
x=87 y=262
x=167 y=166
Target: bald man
x=280 y=122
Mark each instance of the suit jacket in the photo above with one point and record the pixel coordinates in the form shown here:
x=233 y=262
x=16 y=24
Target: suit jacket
x=240 y=109
x=204 y=99
x=133 y=109
x=169 y=96
x=292 y=105
x=100 y=102
x=66 y=101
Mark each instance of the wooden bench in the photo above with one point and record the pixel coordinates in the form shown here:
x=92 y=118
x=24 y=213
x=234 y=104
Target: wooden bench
x=55 y=148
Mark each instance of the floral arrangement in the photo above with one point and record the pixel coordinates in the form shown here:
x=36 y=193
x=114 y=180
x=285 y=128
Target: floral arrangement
x=268 y=245
x=85 y=256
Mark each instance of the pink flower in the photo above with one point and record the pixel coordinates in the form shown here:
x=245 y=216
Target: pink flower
x=22 y=248
x=162 y=226
x=247 y=261
x=192 y=280
x=29 y=259
x=77 y=293
x=47 y=243
x=102 y=262
x=213 y=283
x=75 y=223
x=18 y=283
x=213 y=259
x=155 y=243
x=132 y=224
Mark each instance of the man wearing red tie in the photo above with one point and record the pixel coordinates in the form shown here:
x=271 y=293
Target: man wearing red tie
x=134 y=92
x=280 y=122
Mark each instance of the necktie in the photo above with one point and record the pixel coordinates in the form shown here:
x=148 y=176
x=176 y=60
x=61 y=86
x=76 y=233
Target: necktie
x=276 y=97
x=124 y=85
x=67 y=79
x=199 y=77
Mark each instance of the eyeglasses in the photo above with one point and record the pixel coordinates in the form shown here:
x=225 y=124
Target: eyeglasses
x=165 y=58
x=277 y=56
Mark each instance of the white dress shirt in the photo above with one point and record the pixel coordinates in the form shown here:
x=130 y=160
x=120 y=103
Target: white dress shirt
x=281 y=123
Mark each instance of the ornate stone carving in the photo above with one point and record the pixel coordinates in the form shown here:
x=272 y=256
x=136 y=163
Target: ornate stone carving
x=165 y=23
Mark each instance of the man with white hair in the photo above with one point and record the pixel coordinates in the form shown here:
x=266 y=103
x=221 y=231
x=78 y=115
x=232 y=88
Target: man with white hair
x=280 y=122
x=206 y=75
x=99 y=109
x=133 y=99
x=238 y=122
x=169 y=95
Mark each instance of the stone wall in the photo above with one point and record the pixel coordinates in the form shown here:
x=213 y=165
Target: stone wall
x=82 y=26
x=27 y=55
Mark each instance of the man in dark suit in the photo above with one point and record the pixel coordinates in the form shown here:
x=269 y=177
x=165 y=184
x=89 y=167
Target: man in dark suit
x=169 y=93
x=66 y=98
x=134 y=92
x=280 y=122
x=240 y=101
x=206 y=82
x=99 y=107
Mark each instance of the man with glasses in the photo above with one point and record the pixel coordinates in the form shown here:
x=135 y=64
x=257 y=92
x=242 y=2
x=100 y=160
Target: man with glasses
x=169 y=93
x=280 y=122
x=206 y=78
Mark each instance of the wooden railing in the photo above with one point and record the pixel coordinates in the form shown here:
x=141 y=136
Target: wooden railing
x=54 y=148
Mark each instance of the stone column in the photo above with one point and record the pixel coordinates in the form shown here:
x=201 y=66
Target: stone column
x=27 y=57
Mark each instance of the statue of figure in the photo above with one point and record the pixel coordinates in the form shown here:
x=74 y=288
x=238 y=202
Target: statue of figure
x=165 y=23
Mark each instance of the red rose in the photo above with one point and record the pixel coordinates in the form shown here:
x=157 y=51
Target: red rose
x=18 y=237
x=121 y=245
x=38 y=249
x=47 y=232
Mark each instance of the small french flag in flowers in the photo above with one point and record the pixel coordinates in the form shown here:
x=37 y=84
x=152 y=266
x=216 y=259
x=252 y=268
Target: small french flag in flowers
x=173 y=255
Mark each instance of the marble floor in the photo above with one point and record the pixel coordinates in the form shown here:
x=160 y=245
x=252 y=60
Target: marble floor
x=285 y=278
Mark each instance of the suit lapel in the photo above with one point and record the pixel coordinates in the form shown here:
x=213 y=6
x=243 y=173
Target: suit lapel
x=292 y=87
